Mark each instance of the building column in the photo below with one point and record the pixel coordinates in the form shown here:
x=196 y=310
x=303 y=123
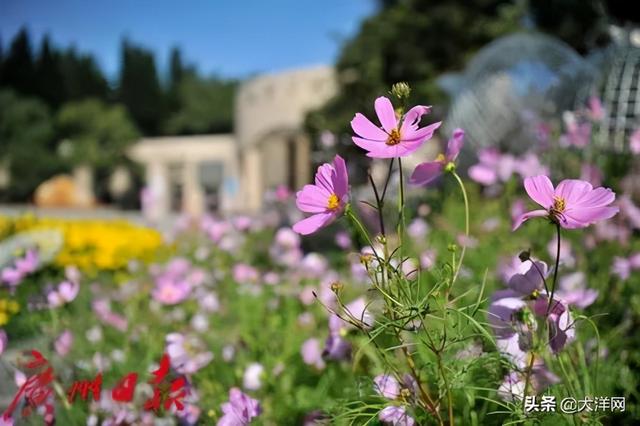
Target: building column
x=302 y=162
x=156 y=205
x=192 y=193
x=252 y=179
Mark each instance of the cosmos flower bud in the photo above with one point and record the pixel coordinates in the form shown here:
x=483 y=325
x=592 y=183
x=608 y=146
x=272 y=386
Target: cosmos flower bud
x=401 y=90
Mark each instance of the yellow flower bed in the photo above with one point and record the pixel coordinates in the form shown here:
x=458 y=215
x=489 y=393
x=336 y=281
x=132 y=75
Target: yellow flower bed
x=93 y=245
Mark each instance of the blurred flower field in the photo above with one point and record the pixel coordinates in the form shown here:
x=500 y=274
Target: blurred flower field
x=430 y=310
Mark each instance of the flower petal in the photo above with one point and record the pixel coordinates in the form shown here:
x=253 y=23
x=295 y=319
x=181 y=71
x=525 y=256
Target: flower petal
x=524 y=217
x=386 y=114
x=340 y=177
x=426 y=172
x=323 y=178
x=312 y=199
x=583 y=217
x=366 y=129
x=599 y=197
x=421 y=134
x=455 y=144
x=540 y=189
x=412 y=118
x=313 y=223
x=571 y=190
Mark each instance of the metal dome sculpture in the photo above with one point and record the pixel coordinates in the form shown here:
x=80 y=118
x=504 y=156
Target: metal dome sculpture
x=620 y=90
x=512 y=84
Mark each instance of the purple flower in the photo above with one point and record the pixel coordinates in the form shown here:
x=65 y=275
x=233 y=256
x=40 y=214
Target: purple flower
x=512 y=387
x=573 y=291
x=529 y=165
x=4 y=341
x=13 y=275
x=63 y=343
x=103 y=312
x=387 y=386
x=68 y=290
x=187 y=353
x=595 y=110
x=426 y=173
x=239 y=410
x=396 y=137
x=561 y=325
x=243 y=273
x=29 y=263
x=396 y=416
x=343 y=240
x=492 y=167
x=577 y=134
x=311 y=352
x=326 y=199
x=336 y=347
x=573 y=204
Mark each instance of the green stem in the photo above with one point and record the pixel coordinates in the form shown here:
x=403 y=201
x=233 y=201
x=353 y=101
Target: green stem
x=466 y=223
x=401 y=224
x=555 y=271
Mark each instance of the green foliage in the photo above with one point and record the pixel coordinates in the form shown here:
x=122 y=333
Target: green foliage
x=204 y=106
x=26 y=143
x=98 y=133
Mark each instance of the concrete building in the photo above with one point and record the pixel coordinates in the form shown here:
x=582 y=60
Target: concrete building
x=232 y=173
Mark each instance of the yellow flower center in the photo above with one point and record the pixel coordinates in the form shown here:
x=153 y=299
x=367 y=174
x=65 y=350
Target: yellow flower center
x=333 y=202
x=440 y=158
x=394 y=137
x=559 y=204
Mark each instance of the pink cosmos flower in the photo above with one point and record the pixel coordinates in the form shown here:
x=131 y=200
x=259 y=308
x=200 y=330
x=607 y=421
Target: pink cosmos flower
x=573 y=204
x=387 y=386
x=634 y=142
x=311 y=352
x=396 y=415
x=63 y=343
x=104 y=313
x=187 y=353
x=397 y=137
x=239 y=410
x=493 y=167
x=426 y=173
x=326 y=199
x=67 y=291
x=13 y=275
x=595 y=110
x=4 y=341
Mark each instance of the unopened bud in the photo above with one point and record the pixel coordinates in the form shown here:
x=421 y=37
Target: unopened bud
x=336 y=286
x=452 y=247
x=401 y=90
x=524 y=256
x=450 y=167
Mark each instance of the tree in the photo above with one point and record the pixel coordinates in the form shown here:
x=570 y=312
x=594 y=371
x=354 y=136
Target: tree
x=413 y=41
x=27 y=144
x=205 y=106
x=49 y=82
x=139 y=88
x=18 y=68
x=98 y=134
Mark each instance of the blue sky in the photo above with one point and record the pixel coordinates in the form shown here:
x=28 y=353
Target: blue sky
x=226 y=37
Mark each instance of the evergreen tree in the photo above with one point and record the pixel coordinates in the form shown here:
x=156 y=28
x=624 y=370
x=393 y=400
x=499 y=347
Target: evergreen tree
x=18 y=68
x=139 y=88
x=49 y=81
